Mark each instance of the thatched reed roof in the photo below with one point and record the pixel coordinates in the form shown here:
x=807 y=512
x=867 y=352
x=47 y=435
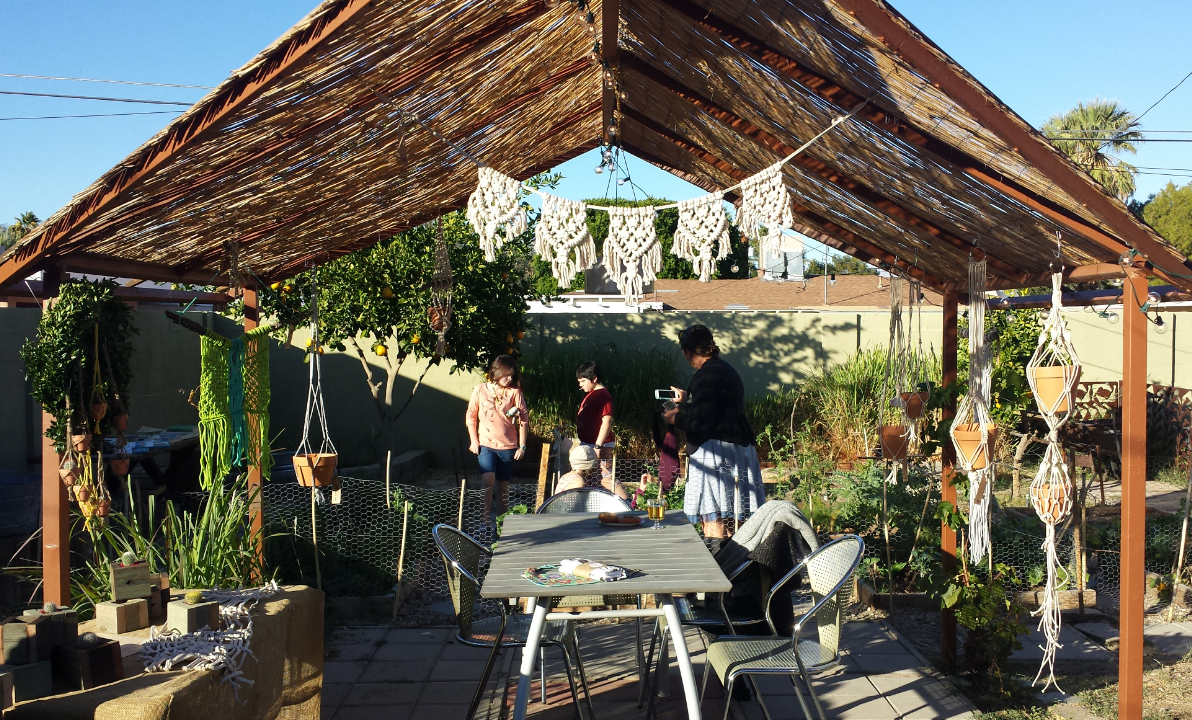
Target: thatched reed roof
x=303 y=154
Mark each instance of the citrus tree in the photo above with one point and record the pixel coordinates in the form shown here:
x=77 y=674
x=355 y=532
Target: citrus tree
x=373 y=304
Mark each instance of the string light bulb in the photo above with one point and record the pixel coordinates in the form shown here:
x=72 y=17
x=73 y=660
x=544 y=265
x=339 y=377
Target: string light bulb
x=1160 y=326
x=1112 y=318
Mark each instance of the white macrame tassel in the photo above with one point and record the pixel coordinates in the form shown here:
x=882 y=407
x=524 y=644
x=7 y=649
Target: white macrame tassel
x=765 y=202
x=979 y=493
x=561 y=238
x=632 y=255
x=703 y=227
x=496 y=202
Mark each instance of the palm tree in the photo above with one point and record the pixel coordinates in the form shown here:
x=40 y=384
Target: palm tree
x=9 y=234
x=1092 y=136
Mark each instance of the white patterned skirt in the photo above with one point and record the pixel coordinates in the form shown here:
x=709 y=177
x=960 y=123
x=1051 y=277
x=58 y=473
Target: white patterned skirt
x=719 y=475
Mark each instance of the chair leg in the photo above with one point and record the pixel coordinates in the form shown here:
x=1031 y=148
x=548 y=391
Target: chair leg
x=583 y=675
x=571 y=679
x=642 y=689
x=478 y=696
x=819 y=709
x=799 y=695
x=760 y=701
x=728 y=694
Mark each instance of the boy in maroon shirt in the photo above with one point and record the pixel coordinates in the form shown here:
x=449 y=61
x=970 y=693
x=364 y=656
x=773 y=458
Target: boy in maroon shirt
x=594 y=422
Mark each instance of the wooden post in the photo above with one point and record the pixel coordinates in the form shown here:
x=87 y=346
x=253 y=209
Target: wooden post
x=55 y=505
x=543 y=475
x=948 y=470
x=256 y=515
x=1133 y=574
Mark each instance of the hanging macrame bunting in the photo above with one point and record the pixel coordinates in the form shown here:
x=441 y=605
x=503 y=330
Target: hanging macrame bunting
x=561 y=238
x=439 y=313
x=702 y=236
x=1053 y=372
x=495 y=203
x=632 y=255
x=974 y=432
x=766 y=203
x=234 y=405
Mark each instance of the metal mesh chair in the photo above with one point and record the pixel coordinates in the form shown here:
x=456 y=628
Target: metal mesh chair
x=587 y=499
x=462 y=559
x=829 y=570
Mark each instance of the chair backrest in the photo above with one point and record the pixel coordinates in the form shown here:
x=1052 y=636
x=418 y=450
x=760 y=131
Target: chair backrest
x=829 y=570
x=584 y=500
x=461 y=558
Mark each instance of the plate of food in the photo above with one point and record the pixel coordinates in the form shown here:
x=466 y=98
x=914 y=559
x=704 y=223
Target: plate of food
x=620 y=520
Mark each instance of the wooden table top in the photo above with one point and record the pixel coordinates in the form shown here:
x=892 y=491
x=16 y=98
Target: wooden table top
x=671 y=560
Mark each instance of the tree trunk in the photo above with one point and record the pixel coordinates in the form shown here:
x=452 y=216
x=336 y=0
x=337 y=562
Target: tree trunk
x=1023 y=443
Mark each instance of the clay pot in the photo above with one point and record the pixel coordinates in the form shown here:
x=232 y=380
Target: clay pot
x=98 y=410
x=83 y=493
x=438 y=319
x=894 y=442
x=1048 y=384
x=973 y=454
x=81 y=443
x=103 y=507
x=315 y=469
x=120 y=465
x=1051 y=509
x=120 y=422
x=914 y=402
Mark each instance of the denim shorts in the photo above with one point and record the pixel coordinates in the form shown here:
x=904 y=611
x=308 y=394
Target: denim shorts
x=498 y=462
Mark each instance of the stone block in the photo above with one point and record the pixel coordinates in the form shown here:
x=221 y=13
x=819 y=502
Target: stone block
x=85 y=668
x=30 y=682
x=18 y=643
x=52 y=629
x=189 y=618
x=122 y=617
x=130 y=581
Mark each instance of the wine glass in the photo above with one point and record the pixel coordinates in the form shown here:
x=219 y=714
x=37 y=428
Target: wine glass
x=656 y=510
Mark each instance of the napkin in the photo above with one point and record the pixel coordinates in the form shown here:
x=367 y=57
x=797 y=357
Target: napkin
x=593 y=570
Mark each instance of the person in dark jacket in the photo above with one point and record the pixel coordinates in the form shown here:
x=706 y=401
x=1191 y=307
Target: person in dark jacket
x=724 y=477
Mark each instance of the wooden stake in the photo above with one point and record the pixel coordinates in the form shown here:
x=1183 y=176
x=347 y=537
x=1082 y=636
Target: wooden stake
x=314 y=539
x=1179 y=561
x=543 y=475
x=463 y=486
x=401 y=555
x=388 y=464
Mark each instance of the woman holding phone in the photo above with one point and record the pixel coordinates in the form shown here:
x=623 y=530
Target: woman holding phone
x=722 y=462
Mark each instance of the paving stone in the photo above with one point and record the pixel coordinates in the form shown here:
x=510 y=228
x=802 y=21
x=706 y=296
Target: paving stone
x=1075 y=647
x=451 y=692
x=928 y=699
x=348 y=652
x=334 y=693
x=1170 y=638
x=382 y=671
x=403 y=652
x=335 y=671
x=459 y=651
x=457 y=670
x=370 y=712
x=885 y=663
x=1105 y=633
x=389 y=693
x=348 y=636
x=896 y=682
x=414 y=635
x=844 y=685
x=439 y=712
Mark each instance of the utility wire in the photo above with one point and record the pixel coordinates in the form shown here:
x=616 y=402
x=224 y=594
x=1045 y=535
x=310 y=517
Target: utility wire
x=1152 y=107
x=116 y=82
x=93 y=97
x=61 y=117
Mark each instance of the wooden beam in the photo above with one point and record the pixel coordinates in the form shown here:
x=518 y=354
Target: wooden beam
x=934 y=65
x=256 y=512
x=1133 y=562
x=610 y=53
x=95 y=264
x=139 y=295
x=1081 y=273
x=948 y=470
x=897 y=213
x=842 y=99
x=55 y=504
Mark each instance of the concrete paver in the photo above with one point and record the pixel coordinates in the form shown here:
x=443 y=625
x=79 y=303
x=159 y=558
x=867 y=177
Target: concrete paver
x=1170 y=638
x=1075 y=646
x=1102 y=632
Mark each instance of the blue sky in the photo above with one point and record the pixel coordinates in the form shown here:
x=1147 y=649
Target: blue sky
x=1040 y=57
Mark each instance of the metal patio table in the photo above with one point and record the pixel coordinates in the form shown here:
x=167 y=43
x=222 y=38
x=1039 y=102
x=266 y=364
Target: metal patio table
x=672 y=560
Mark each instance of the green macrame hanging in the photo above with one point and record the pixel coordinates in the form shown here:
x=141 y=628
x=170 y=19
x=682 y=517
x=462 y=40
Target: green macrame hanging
x=234 y=405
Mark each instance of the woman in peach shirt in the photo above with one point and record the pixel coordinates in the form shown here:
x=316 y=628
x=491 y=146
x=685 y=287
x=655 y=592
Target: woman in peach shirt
x=496 y=419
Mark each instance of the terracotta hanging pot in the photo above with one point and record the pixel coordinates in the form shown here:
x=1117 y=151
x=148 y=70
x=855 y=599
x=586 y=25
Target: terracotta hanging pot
x=120 y=465
x=120 y=422
x=315 y=469
x=438 y=318
x=103 y=507
x=914 y=402
x=894 y=442
x=973 y=453
x=1048 y=381
x=81 y=443
x=68 y=472
x=98 y=410
x=1051 y=508
x=83 y=493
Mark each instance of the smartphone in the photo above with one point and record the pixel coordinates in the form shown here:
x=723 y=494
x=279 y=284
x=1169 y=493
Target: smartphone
x=664 y=394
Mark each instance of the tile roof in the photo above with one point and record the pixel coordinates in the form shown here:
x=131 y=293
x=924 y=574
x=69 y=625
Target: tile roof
x=859 y=291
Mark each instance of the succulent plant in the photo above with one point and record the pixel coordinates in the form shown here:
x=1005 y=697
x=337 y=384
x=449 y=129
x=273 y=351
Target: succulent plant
x=193 y=597
x=128 y=558
x=89 y=640
x=50 y=607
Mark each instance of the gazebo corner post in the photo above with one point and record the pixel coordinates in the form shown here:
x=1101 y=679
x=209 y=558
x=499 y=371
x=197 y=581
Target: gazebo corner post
x=256 y=511
x=951 y=303
x=1133 y=559
x=55 y=505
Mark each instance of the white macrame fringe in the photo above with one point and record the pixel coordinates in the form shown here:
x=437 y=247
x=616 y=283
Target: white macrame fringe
x=212 y=649
x=766 y=203
x=561 y=238
x=980 y=490
x=702 y=236
x=1050 y=618
x=632 y=255
x=496 y=202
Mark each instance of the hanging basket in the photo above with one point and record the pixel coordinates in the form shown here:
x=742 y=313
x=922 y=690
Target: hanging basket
x=1049 y=384
x=973 y=453
x=315 y=469
x=894 y=442
x=120 y=465
x=439 y=318
x=914 y=403
x=81 y=443
x=98 y=410
x=1051 y=502
x=120 y=422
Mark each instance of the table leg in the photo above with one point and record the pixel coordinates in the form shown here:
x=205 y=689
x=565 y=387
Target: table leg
x=529 y=655
x=680 y=643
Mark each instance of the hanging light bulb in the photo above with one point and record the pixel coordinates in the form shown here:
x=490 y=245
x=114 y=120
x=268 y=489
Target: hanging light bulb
x=1089 y=308
x=1127 y=258
x=1112 y=318
x=623 y=180
x=1152 y=298
x=590 y=18
x=735 y=268
x=599 y=168
x=1160 y=326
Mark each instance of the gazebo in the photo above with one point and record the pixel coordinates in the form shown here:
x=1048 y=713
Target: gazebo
x=365 y=118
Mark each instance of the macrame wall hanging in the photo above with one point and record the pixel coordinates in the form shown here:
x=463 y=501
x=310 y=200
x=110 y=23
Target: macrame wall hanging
x=561 y=238
x=702 y=235
x=234 y=404
x=974 y=432
x=496 y=203
x=1053 y=372
x=765 y=203
x=439 y=312
x=632 y=254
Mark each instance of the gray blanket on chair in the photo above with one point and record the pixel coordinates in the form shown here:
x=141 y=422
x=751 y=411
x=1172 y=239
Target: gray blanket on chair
x=759 y=526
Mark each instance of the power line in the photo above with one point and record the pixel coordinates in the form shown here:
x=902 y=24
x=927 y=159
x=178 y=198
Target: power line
x=93 y=97
x=1152 y=107
x=61 y=117
x=116 y=82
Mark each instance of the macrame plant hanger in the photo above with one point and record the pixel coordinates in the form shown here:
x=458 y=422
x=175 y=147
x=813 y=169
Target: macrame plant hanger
x=1053 y=372
x=895 y=437
x=439 y=312
x=973 y=432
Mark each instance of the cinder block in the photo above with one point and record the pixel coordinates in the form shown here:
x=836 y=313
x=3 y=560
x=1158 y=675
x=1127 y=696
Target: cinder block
x=130 y=581
x=51 y=629
x=30 y=682
x=18 y=643
x=122 y=617
x=189 y=618
x=85 y=668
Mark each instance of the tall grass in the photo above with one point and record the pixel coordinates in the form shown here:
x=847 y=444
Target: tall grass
x=630 y=374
